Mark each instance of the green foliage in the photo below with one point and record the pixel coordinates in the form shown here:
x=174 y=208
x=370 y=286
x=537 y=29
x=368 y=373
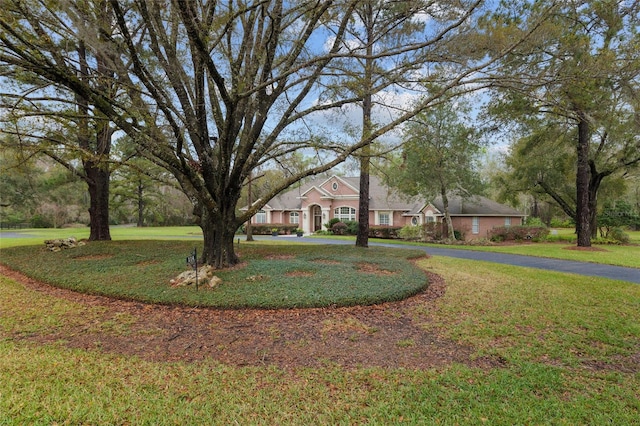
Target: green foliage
x=615 y=216
x=352 y=227
x=269 y=228
x=533 y=221
x=386 y=232
x=440 y=153
x=339 y=228
x=518 y=233
x=618 y=234
x=40 y=221
x=563 y=222
x=141 y=270
x=331 y=222
x=411 y=233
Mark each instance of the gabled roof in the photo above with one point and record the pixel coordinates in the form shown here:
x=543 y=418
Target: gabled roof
x=380 y=197
x=384 y=199
x=475 y=205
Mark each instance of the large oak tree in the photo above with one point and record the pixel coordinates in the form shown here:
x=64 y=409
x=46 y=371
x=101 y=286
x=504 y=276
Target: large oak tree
x=211 y=90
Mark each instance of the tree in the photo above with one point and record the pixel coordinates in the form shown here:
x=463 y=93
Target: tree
x=378 y=37
x=38 y=191
x=439 y=156
x=541 y=164
x=210 y=91
x=580 y=69
x=139 y=187
x=56 y=121
x=384 y=29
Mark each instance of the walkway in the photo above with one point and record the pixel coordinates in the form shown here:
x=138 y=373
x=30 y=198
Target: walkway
x=581 y=268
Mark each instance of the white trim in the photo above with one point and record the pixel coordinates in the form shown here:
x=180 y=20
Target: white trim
x=381 y=212
x=475 y=225
x=342 y=181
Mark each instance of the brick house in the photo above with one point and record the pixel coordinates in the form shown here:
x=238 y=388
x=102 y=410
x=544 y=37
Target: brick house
x=316 y=202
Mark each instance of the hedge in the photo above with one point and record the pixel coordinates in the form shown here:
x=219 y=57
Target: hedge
x=267 y=228
x=518 y=233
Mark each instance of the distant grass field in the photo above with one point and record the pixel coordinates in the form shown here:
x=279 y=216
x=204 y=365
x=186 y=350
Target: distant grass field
x=36 y=236
x=620 y=255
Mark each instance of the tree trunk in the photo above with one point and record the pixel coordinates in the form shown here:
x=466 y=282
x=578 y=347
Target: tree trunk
x=218 y=229
x=583 y=216
x=594 y=184
x=140 y=223
x=98 y=183
x=362 y=239
x=96 y=167
x=249 y=228
x=447 y=217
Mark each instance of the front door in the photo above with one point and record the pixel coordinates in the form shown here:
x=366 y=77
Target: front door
x=317 y=218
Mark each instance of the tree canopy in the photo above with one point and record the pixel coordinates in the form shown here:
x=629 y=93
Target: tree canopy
x=212 y=90
x=579 y=74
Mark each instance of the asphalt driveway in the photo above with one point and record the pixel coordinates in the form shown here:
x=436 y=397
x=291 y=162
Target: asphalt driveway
x=581 y=268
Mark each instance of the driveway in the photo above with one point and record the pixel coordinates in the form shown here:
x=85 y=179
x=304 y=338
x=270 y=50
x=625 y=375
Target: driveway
x=581 y=268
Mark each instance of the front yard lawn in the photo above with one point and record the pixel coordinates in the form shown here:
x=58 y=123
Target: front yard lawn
x=287 y=277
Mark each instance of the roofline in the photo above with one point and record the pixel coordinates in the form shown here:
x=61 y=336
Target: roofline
x=341 y=180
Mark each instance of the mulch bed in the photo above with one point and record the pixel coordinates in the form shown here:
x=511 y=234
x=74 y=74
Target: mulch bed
x=388 y=335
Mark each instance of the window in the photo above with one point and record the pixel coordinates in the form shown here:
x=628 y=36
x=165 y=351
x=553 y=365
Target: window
x=475 y=225
x=414 y=221
x=261 y=216
x=345 y=213
x=294 y=217
x=430 y=219
x=507 y=221
x=383 y=217
x=335 y=186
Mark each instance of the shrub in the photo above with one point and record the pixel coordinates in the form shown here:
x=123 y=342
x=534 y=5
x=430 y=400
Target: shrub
x=618 y=234
x=384 y=231
x=617 y=215
x=339 y=228
x=562 y=223
x=352 y=227
x=533 y=221
x=267 y=228
x=432 y=231
x=518 y=233
x=331 y=222
x=41 y=221
x=411 y=232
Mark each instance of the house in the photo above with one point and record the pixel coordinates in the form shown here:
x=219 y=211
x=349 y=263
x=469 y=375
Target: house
x=314 y=203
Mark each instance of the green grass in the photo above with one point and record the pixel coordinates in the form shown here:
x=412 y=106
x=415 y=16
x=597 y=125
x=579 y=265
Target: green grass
x=37 y=236
x=299 y=276
x=628 y=255
x=534 y=315
x=618 y=255
x=565 y=341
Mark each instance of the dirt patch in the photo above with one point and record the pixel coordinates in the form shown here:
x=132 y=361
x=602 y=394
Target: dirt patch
x=390 y=335
x=279 y=256
x=372 y=268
